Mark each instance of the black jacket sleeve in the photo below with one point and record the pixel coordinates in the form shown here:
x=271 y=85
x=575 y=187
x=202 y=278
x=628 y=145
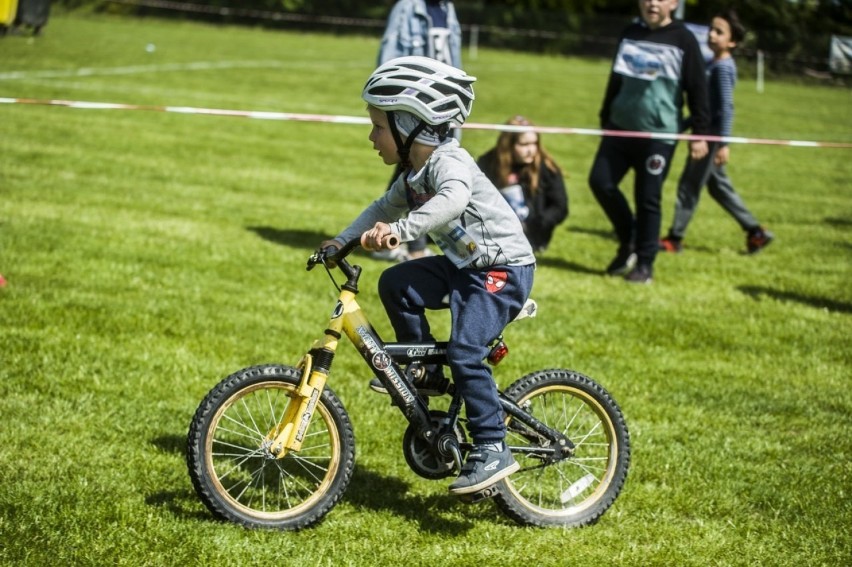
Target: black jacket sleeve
x=695 y=86
x=554 y=208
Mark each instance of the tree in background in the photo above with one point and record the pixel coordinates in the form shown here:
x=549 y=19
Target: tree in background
x=792 y=33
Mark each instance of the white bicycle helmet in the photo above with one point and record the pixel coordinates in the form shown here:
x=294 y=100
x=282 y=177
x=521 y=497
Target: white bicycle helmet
x=435 y=92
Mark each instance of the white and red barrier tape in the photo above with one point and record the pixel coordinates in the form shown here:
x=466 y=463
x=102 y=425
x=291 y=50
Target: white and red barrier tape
x=298 y=117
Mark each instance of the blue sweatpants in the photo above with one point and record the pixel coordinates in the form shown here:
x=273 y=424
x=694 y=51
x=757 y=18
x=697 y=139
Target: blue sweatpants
x=482 y=303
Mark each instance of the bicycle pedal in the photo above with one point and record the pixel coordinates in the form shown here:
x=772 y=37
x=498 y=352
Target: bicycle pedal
x=479 y=496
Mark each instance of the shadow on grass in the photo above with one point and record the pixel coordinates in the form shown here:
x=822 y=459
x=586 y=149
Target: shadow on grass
x=367 y=490
x=689 y=247
x=817 y=302
x=838 y=222
x=373 y=491
x=563 y=264
x=307 y=239
x=170 y=444
x=606 y=234
x=610 y=235
x=310 y=239
x=182 y=503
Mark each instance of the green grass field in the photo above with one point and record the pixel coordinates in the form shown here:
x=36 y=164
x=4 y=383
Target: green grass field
x=149 y=254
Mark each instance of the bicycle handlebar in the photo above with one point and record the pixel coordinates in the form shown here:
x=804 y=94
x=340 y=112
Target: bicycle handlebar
x=332 y=255
x=390 y=242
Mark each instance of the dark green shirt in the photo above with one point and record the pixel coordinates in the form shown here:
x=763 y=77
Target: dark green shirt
x=651 y=72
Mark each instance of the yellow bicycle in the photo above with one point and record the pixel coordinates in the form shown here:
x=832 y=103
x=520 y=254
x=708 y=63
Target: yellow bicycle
x=272 y=446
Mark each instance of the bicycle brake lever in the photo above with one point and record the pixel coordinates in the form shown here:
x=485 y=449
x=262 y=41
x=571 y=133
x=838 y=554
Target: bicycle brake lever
x=316 y=258
x=322 y=257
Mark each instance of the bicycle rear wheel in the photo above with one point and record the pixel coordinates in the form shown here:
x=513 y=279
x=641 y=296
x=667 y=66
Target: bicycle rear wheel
x=236 y=475
x=573 y=491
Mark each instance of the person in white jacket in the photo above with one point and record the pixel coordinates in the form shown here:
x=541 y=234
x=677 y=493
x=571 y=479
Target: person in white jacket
x=428 y=28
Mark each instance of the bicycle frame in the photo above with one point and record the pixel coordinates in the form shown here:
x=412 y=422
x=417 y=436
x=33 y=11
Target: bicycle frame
x=384 y=360
x=381 y=359
x=348 y=318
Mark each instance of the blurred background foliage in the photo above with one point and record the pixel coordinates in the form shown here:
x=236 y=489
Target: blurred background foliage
x=794 y=35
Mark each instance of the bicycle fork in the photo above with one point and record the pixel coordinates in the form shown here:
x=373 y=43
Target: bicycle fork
x=347 y=318
x=315 y=366
x=289 y=433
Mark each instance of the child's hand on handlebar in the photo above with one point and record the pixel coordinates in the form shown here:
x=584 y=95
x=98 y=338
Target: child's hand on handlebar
x=330 y=243
x=329 y=250
x=326 y=247
x=379 y=237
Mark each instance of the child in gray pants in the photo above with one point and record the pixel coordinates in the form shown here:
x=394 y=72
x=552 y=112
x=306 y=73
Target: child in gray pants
x=725 y=31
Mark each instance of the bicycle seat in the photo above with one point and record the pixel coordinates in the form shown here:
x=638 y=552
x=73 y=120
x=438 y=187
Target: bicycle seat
x=530 y=309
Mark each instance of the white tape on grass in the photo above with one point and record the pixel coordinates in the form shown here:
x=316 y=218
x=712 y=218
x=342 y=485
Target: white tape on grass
x=169 y=68
x=298 y=117
x=139 y=69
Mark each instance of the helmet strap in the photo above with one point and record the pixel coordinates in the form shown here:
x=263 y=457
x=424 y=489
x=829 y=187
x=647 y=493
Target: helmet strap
x=443 y=130
x=404 y=148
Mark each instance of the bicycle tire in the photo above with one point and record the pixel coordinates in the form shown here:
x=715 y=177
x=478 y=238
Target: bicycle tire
x=235 y=475
x=575 y=491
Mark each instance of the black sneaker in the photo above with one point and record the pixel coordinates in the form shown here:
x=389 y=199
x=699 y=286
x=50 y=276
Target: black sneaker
x=641 y=274
x=430 y=384
x=484 y=466
x=621 y=264
x=757 y=240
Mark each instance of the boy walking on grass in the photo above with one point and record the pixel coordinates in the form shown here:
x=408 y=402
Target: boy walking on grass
x=725 y=32
x=658 y=61
x=487 y=265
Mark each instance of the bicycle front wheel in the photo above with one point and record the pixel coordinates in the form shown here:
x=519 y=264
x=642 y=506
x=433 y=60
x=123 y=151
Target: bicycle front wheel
x=236 y=475
x=567 y=491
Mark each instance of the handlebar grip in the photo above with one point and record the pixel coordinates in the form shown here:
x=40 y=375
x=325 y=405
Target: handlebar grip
x=391 y=241
x=331 y=255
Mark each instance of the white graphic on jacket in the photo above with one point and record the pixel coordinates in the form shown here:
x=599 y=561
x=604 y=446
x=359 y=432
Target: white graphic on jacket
x=451 y=238
x=648 y=61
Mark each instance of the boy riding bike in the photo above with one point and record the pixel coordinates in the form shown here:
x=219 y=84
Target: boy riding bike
x=487 y=265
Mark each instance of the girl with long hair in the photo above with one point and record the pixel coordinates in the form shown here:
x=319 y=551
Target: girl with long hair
x=528 y=177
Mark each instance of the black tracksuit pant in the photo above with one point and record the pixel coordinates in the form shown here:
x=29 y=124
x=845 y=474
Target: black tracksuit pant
x=650 y=160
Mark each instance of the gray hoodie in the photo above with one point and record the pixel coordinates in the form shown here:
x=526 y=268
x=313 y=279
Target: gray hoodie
x=455 y=203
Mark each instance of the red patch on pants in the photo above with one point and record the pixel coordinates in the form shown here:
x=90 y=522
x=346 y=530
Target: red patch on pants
x=495 y=281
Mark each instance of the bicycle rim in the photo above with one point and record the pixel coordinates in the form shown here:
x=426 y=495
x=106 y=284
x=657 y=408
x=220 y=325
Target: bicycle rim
x=577 y=490
x=252 y=481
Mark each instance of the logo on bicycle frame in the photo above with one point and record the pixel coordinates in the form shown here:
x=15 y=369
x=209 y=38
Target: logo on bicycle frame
x=338 y=310
x=419 y=352
x=381 y=360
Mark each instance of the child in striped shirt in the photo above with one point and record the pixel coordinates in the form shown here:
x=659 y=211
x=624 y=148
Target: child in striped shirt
x=725 y=32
